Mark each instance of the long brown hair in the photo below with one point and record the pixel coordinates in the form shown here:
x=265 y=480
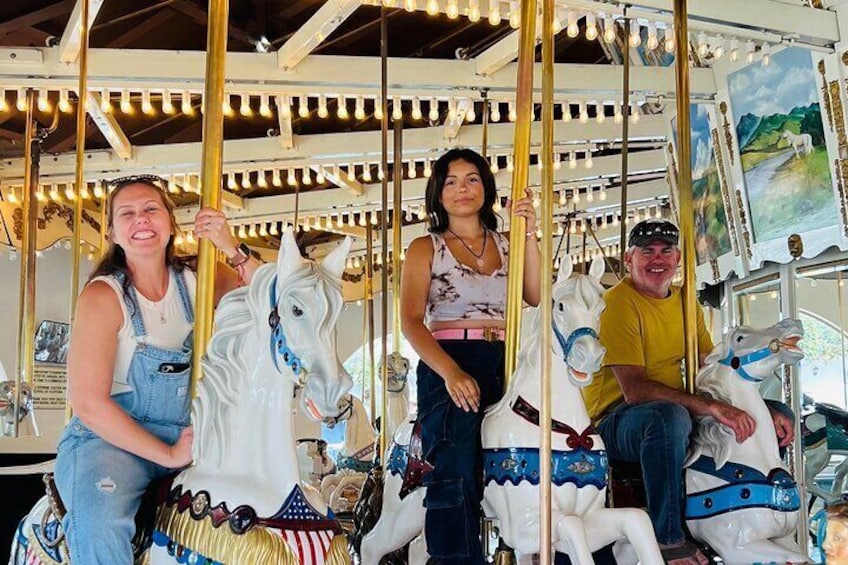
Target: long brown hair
x=114 y=261
x=435 y=186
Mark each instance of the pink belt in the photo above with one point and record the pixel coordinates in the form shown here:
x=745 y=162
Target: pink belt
x=485 y=334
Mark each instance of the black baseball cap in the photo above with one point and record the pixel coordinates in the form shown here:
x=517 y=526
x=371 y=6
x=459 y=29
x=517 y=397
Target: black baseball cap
x=651 y=230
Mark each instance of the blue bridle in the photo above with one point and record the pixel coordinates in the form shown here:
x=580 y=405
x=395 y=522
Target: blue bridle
x=568 y=343
x=278 y=338
x=738 y=363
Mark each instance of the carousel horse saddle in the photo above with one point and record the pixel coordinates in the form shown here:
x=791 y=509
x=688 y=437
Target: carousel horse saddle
x=408 y=461
x=50 y=534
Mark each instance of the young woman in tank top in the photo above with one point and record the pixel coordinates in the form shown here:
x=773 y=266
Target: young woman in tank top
x=129 y=366
x=453 y=298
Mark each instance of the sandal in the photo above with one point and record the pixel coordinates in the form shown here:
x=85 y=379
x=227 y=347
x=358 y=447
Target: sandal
x=678 y=554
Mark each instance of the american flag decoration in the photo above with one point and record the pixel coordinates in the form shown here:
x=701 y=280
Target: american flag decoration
x=307 y=531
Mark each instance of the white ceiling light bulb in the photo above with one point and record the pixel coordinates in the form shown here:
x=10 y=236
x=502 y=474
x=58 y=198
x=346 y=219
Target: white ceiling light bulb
x=473 y=11
x=703 y=47
x=378 y=109
x=185 y=103
x=244 y=105
x=584 y=112
x=105 y=102
x=719 y=47
x=351 y=172
x=366 y=173
x=750 y=48
x=275 y=178
x=512 y=112
x=291 y=180
x=397 y=111
x=493 y=165
x=452 y=10
x=319 y=177
x=410 y=5
x=65 y=102
x=167 y=103
x=411 y=171
x=433 y=7
x=451 y=108
x=322 y=106
x=126 y=107
x=146 y=106
x=261 y=181
x=43 y=101
x=227 y=106
x=669 y=39
x=470 y=115
x=428 y=169
x=609 y=29
x=303 y=106
x=557 y=162
x=341 y=108
x=21 y=100
x=351 y=221
x=422 y=212
x=306 y=176
x=510 y=163
x=494 y=12
x=263 y=230
x=231 y=182
x=566 y=111
x=653 y=40
x=514 y=15
x=634 y=114
x=734 y=50
x=588 y=163
x=591 y=26
x=434 y=110
x=359 y=108
x=600 y=117
x=617 y=118
x=416 y=108
x=572 y=29
x=572 y=160
x=264 y=106
x=495 y=113
x=556 y=26
x=245 y=180
x=635 y=34
x=766 y=54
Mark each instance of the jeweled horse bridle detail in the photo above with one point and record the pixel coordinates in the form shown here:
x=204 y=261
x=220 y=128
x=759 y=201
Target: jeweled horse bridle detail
x=278 y=338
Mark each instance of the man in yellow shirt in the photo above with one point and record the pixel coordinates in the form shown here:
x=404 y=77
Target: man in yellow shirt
x=638 y=401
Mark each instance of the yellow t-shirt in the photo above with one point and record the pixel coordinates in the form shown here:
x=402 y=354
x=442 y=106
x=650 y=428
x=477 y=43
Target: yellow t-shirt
x=638 y=330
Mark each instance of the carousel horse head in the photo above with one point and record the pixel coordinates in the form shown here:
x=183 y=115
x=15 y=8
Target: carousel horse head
x=577 y=306
x=7 y=405
x=753 y=354
x=398 y=371
x=305 y=301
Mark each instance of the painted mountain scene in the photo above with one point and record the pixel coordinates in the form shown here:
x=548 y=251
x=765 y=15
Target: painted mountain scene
x=712 y=238
x=782 y=146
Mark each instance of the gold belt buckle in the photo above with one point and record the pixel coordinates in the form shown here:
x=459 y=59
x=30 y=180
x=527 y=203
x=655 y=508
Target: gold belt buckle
x=491 y=334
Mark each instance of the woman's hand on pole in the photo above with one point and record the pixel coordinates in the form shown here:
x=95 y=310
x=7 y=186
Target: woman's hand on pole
x=524 y=208
x=212 y=224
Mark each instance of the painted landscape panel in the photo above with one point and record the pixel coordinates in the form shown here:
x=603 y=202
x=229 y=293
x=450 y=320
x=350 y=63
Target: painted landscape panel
x=712 y=236
x=781 y=141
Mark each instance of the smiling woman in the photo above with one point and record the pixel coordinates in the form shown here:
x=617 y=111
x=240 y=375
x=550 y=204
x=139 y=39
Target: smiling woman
x=128 y=369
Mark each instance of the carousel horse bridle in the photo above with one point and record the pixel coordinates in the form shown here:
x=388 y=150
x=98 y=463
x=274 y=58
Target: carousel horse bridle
x=737 y=363
x=566 y=344
x=279 y=343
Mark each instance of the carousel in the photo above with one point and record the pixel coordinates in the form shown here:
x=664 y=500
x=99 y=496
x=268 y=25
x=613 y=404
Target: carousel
x=314 y=125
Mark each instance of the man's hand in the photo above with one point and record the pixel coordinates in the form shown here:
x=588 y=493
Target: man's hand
x=737 y=420
x=784 y=428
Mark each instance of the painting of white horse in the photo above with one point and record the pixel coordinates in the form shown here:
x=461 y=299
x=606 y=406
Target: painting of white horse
x=510 y=438
x=802 y=143
x=242 y=500
x=741 y=500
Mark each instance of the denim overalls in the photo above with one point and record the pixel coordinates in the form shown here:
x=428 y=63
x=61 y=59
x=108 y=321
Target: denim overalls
x=450 y=439
x=102 y=485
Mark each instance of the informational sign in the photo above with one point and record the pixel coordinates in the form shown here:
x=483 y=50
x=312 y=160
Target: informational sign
x=49 y=386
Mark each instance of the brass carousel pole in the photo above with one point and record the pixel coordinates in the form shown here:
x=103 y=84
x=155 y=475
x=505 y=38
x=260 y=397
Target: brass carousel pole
x=210 y=176
x=684 y=184
x=384 y=224
x=397 y=232
x=625 y=143
x=545 y=556
x=79 y=177
x=521 y=163
x=26 y=296
x=369 y=308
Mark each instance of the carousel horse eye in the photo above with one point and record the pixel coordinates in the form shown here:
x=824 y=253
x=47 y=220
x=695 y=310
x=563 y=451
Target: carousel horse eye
x=739 y=339
x=561 y=307
x=296 y=312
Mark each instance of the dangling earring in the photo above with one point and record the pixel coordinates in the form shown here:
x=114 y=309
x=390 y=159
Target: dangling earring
x=434 y=219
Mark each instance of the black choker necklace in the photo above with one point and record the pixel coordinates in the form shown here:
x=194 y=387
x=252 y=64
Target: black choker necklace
x=477 y=257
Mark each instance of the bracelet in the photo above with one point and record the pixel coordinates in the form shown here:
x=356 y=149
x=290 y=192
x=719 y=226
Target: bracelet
x=529 y=234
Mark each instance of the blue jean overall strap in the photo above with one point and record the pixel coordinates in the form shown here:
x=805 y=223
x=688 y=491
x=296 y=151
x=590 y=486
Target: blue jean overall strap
x=451 y=443
x=102 y=485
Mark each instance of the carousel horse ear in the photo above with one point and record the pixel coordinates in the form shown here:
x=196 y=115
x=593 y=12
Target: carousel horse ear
x=289 y=257
x=565 y=269
x=334 y=262
x=597 y=268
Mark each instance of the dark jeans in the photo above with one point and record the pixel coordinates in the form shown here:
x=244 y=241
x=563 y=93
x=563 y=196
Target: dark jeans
x=656 y=435
x=451 y=442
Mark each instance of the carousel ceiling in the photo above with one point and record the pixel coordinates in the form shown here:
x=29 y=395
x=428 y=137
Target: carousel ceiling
x=303 y=86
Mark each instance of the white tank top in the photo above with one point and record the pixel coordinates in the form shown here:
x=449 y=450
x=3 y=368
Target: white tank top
x=168 y=335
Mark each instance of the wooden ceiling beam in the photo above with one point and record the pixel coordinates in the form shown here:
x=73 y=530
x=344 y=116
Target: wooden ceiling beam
x=36 y=17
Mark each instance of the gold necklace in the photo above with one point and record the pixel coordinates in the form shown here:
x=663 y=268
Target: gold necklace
x=479 y=258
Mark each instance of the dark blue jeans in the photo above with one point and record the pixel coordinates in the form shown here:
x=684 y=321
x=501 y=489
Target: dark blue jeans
x=656 y=435
x=451 y=442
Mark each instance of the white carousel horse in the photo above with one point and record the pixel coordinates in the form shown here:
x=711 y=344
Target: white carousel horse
x=242 y=500
x=510 y=435
x=825 y=431
x=511 y=443
x=741 y=501
x=342 y=489
x=801 y=144
x=27 y=425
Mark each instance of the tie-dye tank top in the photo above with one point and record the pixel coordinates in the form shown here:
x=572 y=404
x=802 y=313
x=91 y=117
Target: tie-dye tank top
x=458 y=292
